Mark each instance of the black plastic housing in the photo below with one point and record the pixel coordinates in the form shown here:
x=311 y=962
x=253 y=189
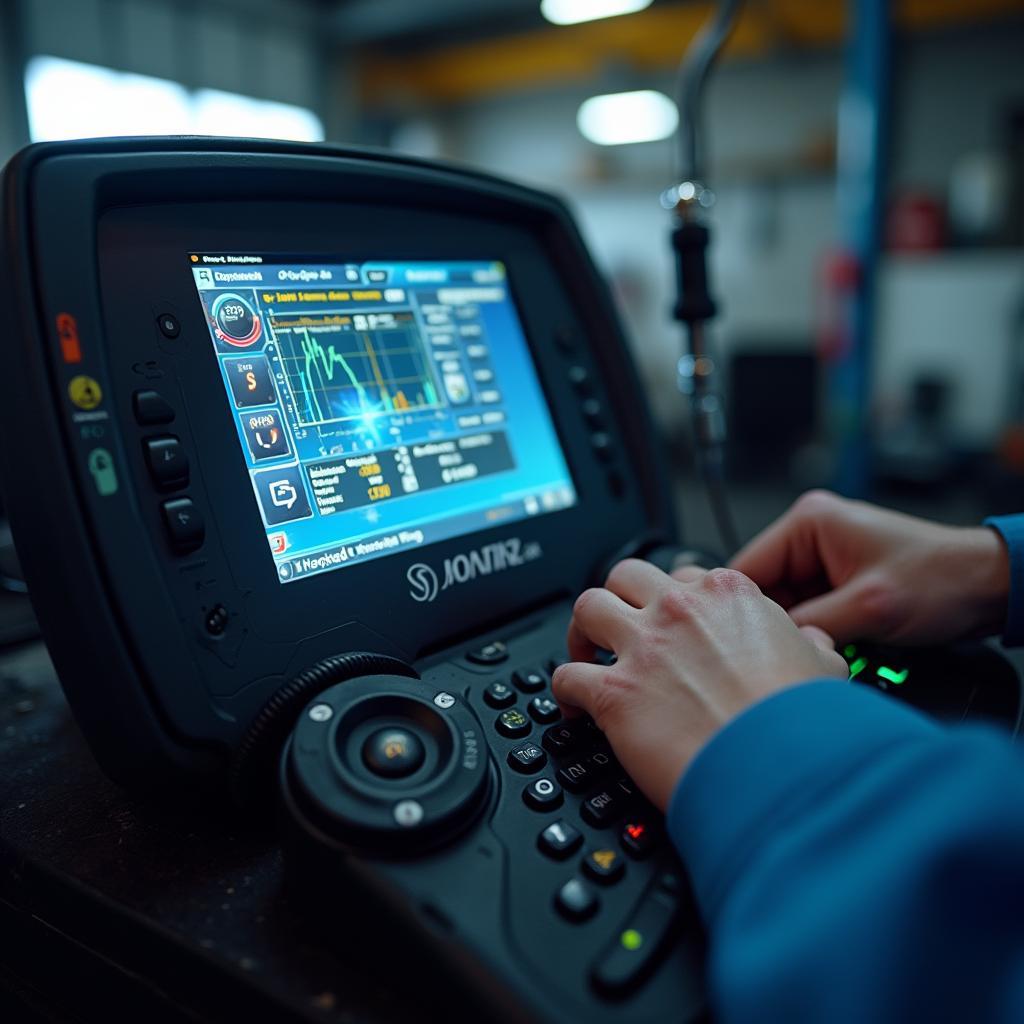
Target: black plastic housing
x=100 y=231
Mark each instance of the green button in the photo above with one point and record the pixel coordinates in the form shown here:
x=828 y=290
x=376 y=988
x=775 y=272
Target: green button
x=857 y=667
x=892 y=676
x=631 y=939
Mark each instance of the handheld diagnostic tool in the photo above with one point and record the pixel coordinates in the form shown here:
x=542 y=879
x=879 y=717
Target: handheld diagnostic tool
x=310 y=452
x=338 y=437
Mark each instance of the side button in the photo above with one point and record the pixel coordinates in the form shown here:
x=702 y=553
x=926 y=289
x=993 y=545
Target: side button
x=184 y=524
x=167 y=461
x=633 y=953
x=490 y=654
x=151 y=407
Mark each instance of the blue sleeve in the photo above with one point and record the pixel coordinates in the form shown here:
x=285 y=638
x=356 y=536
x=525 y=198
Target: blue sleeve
x=1011 y=529
x=854 y=861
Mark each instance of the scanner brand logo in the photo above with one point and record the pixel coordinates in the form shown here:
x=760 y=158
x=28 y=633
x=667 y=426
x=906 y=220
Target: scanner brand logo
x=425 y=583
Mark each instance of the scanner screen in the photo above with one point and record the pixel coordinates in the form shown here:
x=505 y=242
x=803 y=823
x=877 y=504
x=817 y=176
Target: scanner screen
x=379 y=406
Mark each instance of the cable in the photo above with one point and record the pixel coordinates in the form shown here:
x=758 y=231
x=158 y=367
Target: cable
x=694 y=305
x=693 y=73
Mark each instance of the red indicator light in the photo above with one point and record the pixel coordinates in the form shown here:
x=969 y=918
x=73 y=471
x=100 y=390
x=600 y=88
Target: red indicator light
x=67 y=334
x=636 y=831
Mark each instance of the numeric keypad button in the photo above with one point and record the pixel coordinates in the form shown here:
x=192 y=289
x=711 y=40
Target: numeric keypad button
x=544 y=710
x=560 y=839
x=513 y=723
x=500 y=695
x=530 y=680
x=527 y=758
x=543 y=795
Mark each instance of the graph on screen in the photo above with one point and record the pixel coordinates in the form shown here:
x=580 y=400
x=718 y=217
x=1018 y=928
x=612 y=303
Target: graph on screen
x=353 y=367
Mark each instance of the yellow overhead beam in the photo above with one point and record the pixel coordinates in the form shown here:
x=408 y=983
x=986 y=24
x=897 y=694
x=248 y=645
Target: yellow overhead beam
x=651 y=40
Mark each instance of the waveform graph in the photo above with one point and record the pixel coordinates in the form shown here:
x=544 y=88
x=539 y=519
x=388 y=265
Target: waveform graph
x=344 y=367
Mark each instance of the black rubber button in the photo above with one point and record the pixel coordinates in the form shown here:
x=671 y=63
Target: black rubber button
x=513 y=723
x=500 y=695
x=393 y=753
x=184 y=524
x=530 y=680
x=576 y=900
x=544 y=710
x=168 y=324
x=167 y=461
x=527 y=758
x=560 y=839
x=564 y=737
x=579 y=377
x=543 y=795
x=593 y=413
x=490 y=654
x=575 y=776
x=151 y=407
x=600 y=809
x=604 y=865
x=632 y=954
x=601 y=442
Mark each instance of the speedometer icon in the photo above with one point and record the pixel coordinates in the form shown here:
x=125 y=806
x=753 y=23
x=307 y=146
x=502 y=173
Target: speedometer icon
x=235 y=321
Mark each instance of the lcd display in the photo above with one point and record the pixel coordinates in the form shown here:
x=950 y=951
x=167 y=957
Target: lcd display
x=379 y=406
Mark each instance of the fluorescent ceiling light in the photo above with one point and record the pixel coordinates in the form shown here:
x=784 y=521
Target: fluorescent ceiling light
x=617 y=118
x=70 y=100
x=571 y=12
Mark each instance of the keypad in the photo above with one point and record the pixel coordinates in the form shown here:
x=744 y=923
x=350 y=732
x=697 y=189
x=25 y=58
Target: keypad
x=604 y=798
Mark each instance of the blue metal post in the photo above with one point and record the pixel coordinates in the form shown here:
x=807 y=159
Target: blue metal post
x=861 y=156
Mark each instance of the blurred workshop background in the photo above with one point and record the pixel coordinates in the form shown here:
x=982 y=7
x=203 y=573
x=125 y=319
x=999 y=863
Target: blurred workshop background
x=867 y=160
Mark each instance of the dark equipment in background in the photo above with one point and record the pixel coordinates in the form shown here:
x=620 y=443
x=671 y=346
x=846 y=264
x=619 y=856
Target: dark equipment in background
x=773 y=405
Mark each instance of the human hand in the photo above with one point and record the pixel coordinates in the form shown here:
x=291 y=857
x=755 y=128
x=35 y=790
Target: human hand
x=862 y=572
x=692 y=653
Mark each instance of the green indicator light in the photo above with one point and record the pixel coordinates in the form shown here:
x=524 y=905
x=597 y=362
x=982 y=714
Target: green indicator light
x=892 y=676
x=857 y=667
x=631 y=939
x=849 y=650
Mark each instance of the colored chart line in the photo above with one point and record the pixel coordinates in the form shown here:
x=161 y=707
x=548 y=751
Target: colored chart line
x=321 y=369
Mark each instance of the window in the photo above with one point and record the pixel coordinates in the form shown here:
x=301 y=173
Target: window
x=70 y=100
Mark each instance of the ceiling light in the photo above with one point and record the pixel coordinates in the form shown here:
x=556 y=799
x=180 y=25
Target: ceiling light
x=617 y=118
x=571 y=12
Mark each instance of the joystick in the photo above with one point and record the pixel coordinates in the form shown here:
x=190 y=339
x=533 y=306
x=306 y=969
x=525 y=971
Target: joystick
x=380 y=762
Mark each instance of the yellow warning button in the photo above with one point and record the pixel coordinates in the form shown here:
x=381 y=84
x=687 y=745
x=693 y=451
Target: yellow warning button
x=85 y=392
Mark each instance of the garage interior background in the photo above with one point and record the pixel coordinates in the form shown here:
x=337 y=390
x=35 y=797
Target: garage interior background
x=810 y=100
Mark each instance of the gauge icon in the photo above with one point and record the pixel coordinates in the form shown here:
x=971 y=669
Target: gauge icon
x=235 y=322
